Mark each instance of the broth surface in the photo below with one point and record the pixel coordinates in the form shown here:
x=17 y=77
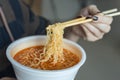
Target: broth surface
x=31 y=57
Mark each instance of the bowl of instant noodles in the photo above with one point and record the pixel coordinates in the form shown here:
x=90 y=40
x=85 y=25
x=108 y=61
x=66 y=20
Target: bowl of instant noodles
x=25 y=57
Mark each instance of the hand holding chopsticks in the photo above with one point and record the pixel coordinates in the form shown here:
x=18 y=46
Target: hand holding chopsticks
x=77 y=21
x=92 y=26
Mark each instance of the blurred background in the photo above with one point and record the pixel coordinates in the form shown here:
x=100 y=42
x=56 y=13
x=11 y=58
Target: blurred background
x=103 y=56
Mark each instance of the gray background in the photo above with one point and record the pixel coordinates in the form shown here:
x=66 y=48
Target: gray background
x=103 y=56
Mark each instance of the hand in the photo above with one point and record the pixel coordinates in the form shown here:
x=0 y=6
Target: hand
x=94 y=30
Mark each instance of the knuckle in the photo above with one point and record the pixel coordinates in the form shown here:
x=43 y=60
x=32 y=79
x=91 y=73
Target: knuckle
x=92 y=6
x=108 y=28
x=111 y=20
x=92 y=39
x=100 y=37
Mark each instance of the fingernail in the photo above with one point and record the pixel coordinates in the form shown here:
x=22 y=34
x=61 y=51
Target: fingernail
x=95 y=18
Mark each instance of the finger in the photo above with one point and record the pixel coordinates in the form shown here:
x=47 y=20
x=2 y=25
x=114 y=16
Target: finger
x=104 y=19
x=89 y=36
x=95 y=31
x=102 y=27
x=78 y=30
x=92 y=9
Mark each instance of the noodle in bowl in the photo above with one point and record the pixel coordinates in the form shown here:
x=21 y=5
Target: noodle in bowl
x=26 y=73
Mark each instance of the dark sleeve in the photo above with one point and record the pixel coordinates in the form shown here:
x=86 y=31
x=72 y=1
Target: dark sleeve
x=38 y=23
x=1 y=39
x=41 y=29
x=13 y=13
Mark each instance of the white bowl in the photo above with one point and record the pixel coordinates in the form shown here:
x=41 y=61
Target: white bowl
x=26 y=73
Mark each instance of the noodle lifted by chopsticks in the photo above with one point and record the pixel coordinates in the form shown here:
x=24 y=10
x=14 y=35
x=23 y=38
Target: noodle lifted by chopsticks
x=54 y=46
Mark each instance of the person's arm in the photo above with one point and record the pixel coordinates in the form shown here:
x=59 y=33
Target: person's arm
x=91 y=31
x=36 y=25
x=41 y=28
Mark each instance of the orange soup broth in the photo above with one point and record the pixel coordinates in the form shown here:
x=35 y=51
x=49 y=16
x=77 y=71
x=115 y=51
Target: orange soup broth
x=31 y=56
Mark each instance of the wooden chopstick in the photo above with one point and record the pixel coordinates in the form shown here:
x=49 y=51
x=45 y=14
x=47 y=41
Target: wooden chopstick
x=73 y=22
x=84 y=20
x=110 y=11
x=113 y=14
x=76 y=22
